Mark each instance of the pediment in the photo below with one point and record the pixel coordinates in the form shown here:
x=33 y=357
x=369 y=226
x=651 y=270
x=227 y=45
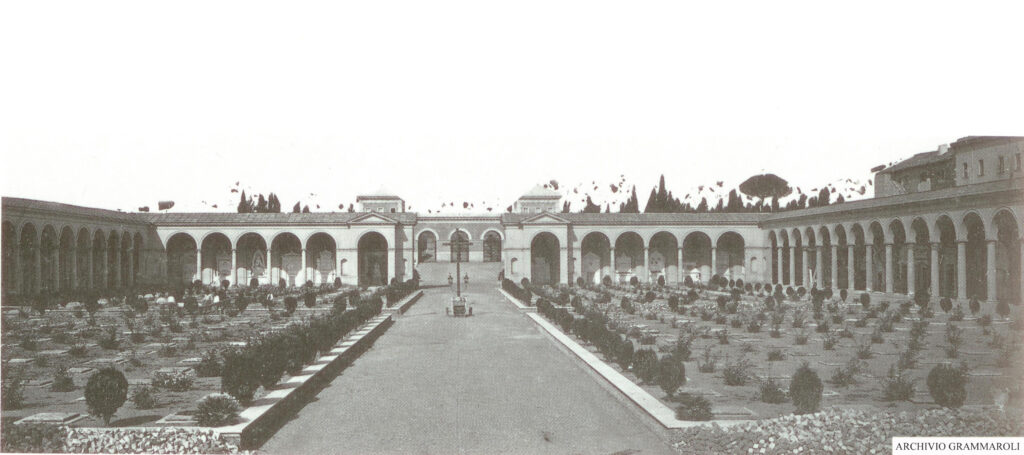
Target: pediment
x=372 y=218
x=545 y=218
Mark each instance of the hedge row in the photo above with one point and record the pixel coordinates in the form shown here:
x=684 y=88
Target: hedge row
x=518 y=292
x=844 y=431
x=267 y=357
x=44 y=438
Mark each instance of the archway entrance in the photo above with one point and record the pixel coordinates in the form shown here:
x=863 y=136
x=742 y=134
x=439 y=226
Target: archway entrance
x=181 y=258
x=373 y=260
x=492 y=247
x=544 y=266
x=596 y=261
x=426 y=247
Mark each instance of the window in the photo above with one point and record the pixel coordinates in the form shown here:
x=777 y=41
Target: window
x=981 y=168
x=965 y=170
x=1002 y=166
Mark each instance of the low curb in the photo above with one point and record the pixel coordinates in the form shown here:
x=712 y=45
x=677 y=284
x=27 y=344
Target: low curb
x=652 y=406
x=261 y=420
x=405 y=303
x=516 y=302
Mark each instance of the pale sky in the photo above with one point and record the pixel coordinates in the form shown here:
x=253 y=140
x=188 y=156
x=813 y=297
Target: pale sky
x=122 y=104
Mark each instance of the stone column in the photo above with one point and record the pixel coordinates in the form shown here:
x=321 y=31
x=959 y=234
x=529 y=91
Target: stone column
x=74 y=268
x=130 y=279
x=803 y=266
x=792 y=266
x=234 y=266
x=869 y=264
x=199 y=264
x=714 y=262
x=92 y=270
x=778 y=266
x=55 y=259
x=647 y=267
x=990 y=270
x=337 y=263
x=834 y=268
x=269 y=270
x=888 y=268
x=819 y=280
x=679 y=266
x=614 y=274
x=117 y=266
x=305 y=267
x=911 y=272
x=851 y=269
x=38 y=269
x=934 y=279
x=391 y=264
x=961 y=270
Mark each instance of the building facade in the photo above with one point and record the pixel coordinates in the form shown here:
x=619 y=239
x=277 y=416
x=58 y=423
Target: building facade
x=946 y=222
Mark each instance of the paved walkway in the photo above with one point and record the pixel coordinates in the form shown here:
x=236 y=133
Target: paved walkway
x=492 y=383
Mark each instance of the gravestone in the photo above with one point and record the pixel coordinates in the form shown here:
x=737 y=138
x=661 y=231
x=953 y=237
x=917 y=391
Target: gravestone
x=60 y=418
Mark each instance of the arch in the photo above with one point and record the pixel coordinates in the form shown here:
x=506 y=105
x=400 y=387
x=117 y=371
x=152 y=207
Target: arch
x=285 y=258
x=469 y=236
x=501 y=235
x=10 y=251
x=492 y=246
x=373 y=259
x=321 y=249
x=181 y=258
x=252 y=259
x=697 y=256
x=629 y=256
x=544 y=259
x=663 y=257
x=976 y=256
x=459 y=253
x=730 y=253
x=945 y=230
x=65 y=265
x=216 y=258
x=48 y=250
x=595 y=252
x=426 y=246
x=1007 y=260
x=83 y=258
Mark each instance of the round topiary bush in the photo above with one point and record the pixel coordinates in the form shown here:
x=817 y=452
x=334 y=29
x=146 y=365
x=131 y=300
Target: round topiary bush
x=805 y=388
x=607 y=280
x=974 y=305
x=1003 y=308
x=947 y=385
x=309 y=299
x=946 y=304
x=645 y=365
x=671 y=375
x=290 y=304
x=661 y=281
x=239 y=375
x=634 y=281
x=693 y=407
x=865 y=300
x=337 y=281
x=254 y=283
x=105 y=392
x=843 y=294
x=217 y=410
x=580 y=282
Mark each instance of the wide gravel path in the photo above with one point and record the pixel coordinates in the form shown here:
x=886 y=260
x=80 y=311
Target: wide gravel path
x=491 y=383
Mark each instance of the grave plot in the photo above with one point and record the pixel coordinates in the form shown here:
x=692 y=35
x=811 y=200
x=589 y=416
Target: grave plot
x=169 y=355
x=740 y=349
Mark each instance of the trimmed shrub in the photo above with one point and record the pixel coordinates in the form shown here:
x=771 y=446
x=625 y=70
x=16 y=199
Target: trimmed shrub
x=693 y=407
x=896 y=386
x=843 y=294
x=290 y=304
x=671 y=375
x=737 y=373
x=624 y=354
x=209 y=366
x=62 y=381
x=805 y=388
x=217 y=410
x=143 y=397
x=105 y=392
x=947 y=385
x=240 y=374
x=946 y=305
x=645 y=365
x=33 y=438
x=1003 y=308
x=865 y=300
x=771 y=392
x=974 y=305
x=309 y=298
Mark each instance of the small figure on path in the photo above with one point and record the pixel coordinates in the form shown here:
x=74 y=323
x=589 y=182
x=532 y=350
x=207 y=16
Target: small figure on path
x=450 y=280
x=467 y=279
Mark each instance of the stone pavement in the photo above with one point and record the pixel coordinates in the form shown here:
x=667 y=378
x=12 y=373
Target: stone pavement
x=492 y=383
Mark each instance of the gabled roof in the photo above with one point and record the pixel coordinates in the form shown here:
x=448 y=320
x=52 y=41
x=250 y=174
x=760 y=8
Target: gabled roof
x=381 y=193
x=17 y=203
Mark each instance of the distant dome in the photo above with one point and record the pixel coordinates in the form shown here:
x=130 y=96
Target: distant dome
x=539 y=192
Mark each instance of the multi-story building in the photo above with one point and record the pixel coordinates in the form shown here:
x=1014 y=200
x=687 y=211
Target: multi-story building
x=946 y=222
